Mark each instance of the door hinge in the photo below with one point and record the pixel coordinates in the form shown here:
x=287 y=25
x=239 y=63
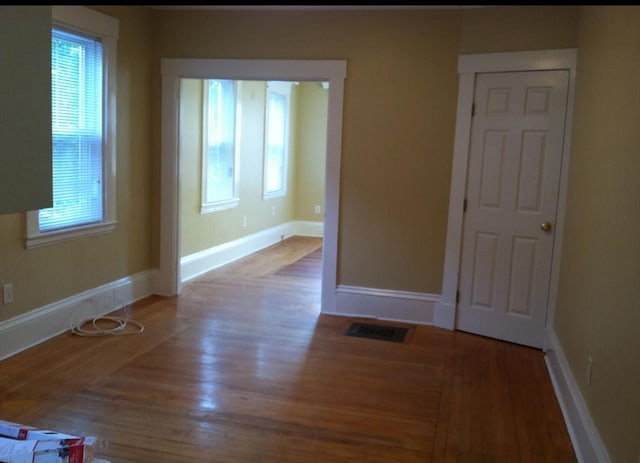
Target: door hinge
x=473 y=109
x=457 y=296
x=464 y=205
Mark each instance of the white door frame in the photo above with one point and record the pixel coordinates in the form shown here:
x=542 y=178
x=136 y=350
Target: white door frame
x=167 y=280
x=468 y=66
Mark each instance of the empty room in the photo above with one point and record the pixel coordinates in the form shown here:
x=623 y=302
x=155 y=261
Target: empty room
x=322 y=233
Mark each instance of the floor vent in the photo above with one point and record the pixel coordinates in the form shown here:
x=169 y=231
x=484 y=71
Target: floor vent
x=382 y=332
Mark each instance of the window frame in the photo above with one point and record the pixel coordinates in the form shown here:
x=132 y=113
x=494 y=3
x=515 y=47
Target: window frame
x=282 y=88
x=85 y=21
x=207 y=207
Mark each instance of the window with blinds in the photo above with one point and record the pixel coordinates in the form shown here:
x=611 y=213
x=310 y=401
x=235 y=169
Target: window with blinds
x=77 y=132
x=83 y=128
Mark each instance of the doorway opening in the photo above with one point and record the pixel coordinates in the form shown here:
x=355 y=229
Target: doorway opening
x=169 y=280
x=252 y=167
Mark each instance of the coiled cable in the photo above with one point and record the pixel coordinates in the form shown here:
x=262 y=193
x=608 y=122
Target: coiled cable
x=115 y=326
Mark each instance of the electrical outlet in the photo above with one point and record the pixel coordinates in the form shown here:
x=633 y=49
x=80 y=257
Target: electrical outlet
x=317 y=209
x=7 y=293
x=589 y=370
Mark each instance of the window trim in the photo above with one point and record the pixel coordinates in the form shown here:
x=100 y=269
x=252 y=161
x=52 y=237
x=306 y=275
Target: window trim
x=207 y=207
x=84 y=20
x=282 y=88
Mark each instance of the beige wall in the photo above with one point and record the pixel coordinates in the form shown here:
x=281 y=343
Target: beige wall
x=598 y=310
x=51 y=273
x=198 y=231
x=488 y=30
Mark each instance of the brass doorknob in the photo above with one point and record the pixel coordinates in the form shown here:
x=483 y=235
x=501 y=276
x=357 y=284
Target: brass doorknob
x=545 y=226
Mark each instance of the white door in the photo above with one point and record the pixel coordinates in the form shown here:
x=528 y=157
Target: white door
x=511 y=199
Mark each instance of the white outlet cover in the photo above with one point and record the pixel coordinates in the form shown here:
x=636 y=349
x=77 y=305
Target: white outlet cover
x=7 y=293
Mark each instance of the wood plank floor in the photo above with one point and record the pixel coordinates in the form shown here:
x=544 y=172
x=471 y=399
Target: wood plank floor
x=243 y=368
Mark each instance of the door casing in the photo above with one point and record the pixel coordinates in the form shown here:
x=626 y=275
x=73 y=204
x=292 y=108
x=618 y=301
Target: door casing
x=468 y=67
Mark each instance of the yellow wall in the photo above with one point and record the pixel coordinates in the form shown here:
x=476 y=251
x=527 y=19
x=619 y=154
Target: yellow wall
x=312 y=150
x=202 y=231
x=198 y=231
x=598 y=310
x=488 y=30
x=51 y=273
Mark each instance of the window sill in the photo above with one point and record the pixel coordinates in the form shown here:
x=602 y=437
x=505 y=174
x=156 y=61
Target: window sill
x=219 y=206
x=274 y=194
x=45 y=239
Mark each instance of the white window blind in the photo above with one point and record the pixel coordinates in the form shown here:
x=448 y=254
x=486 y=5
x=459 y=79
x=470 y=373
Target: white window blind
x=77 y=132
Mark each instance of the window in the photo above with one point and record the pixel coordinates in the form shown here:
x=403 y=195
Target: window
x=82 y=128
x=276 y=139
x=219 y=167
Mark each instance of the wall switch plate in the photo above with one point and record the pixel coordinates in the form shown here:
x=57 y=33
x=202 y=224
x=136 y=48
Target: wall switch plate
x=7 y=293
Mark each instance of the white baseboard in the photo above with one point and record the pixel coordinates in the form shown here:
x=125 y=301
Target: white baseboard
x=196 y=264
x=401 y=306
x=584 y=435
x=444 y=315
x=25 y=331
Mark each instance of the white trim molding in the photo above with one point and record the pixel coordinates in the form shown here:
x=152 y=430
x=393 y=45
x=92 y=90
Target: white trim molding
x=198 y=263
x=384 y=304
x=584 y=436
x=25 y=331
x=468 y=67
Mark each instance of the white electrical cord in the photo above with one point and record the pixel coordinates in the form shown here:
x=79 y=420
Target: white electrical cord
x=117 y=325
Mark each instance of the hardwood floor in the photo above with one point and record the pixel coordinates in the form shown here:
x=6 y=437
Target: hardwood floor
x=243 y=368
